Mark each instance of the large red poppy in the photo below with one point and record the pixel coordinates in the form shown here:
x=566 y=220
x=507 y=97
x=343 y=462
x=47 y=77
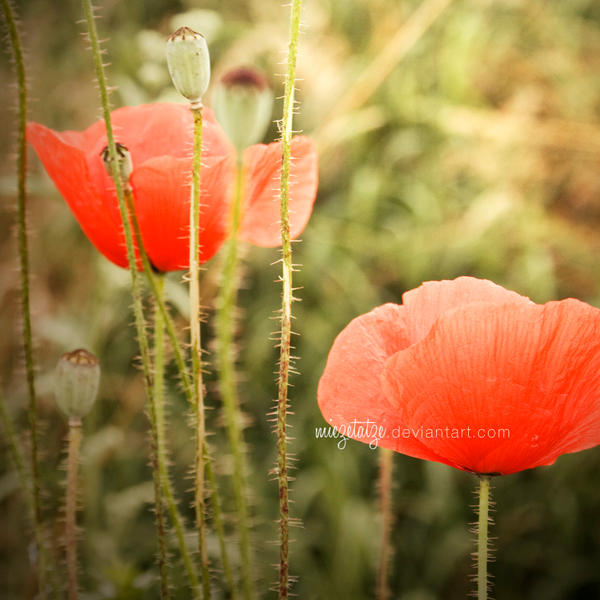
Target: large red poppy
x=469 y=374
x=159 y=139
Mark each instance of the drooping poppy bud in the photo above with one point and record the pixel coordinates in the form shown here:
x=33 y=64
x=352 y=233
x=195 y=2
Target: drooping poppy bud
x=243 y=101
x=76 y=383
x=189 y=63
x=124 y=164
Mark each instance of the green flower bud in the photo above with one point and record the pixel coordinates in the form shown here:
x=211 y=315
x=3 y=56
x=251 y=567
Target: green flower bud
x=124 y=163
x=76 y=384
x=243 y=102
x=189 y=63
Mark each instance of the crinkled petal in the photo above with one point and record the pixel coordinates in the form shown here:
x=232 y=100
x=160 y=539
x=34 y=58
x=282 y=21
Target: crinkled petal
x=262 y=175
x=349 y=393
x=433 y=298
x=531 y=370
x=66 y=165
x=162 y=197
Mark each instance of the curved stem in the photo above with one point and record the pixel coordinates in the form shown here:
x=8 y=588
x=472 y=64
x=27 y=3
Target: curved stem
x=71 y=506
x=196 y=348
x=126 y=218
x=482 y=537
x=385 y=501
x=15 y=44
x=158 y=295
x=225 y=330
x=286 y=301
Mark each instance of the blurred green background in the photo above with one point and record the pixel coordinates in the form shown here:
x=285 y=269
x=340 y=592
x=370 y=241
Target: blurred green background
x=455 y=137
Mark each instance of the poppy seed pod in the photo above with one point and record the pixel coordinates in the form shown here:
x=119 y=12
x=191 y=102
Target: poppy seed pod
x=124 y=164
x=76 y=383
x=242 y=103
x=189 y=63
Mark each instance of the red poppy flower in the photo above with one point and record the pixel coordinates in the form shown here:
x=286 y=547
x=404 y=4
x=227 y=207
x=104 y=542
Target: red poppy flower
x=469 y=374
x=159 y=139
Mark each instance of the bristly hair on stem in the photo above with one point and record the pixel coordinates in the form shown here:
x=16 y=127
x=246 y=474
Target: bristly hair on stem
x=483 y=553
x=17 y=53
x=225 y=323
x=136 y=290
x=196 y=350
x=286 y=302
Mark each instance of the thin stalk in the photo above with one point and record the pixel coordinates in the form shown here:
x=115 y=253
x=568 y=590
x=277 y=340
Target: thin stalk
x=225 y=330
x=385 y=501
x=17 y=51
x=218 y=521
x=286 y=302
x=158 y=394
x=158 y=295
x=74 y=444
x=482 y=537
x=140 y=322
x=196 y=348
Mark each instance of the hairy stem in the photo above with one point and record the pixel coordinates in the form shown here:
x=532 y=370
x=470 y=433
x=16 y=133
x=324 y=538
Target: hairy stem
x=157 y=408
x=140 y=322
x=482 y=537
x=158 y=401
x=71 y=506
x=196 y=348
x=385 y=500
x=17 y=52
x=286 y=301
x=225 y=330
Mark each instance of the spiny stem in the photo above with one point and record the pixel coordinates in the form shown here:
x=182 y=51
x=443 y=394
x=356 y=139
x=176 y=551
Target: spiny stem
x=286 y=303
x=160 y=461
x=385 y=499
x=158 y=295
x=15 y=44
x=482 y=537
x=196 y=348
x=218 y=521
x=125 y=218
x=160 y=451
x=225 y=329
x=71 y=505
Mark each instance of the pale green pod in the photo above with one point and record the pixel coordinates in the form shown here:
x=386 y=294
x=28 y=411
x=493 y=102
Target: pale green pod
x=189 y=63
x=76 y=382
x=243 y=102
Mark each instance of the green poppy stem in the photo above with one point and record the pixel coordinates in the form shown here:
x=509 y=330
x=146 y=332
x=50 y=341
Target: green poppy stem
x=225 y=331
x=136 y=290
x=159 y=470
x=17 y=52
x=385 y=502
x=196 y=349
x=482 y=537
x=286 y=301
x=74 y=445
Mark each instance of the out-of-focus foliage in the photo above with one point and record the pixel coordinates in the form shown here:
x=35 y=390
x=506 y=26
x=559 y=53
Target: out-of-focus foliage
x=478 y=154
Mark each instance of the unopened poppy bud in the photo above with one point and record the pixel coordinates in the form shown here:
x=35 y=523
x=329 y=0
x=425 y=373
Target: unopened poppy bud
x=77 y=380
x=124 y=163
x=189 y=63
x=243 y=102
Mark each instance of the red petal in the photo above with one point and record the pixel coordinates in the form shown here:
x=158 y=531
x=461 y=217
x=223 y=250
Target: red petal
x=534 y=370
x=430 y=300
x=148 y=132
x=66 y=166
x=350 y=392
x=262 y=175
x=162 y=199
